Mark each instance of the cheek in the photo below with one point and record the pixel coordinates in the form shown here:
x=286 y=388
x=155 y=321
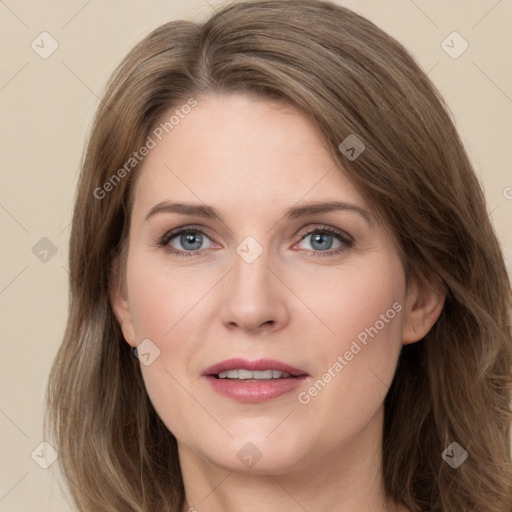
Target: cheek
x=166 y=305
x=364 y=308
x=353 y=301
x=161 y=298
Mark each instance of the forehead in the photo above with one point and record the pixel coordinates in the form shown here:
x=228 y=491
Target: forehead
x=235 y=149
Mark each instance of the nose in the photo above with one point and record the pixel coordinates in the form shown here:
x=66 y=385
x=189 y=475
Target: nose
x=254 y=298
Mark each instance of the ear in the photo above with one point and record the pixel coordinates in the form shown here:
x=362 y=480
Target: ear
x=121 y=306
x=423 y=306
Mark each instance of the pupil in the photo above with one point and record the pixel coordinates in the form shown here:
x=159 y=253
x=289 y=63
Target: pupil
x=319 y=238
x=191 y=238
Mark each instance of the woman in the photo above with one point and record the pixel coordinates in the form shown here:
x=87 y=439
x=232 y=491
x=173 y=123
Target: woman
x=336 y=335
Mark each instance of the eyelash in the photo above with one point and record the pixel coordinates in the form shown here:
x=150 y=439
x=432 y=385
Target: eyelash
x=347 y=241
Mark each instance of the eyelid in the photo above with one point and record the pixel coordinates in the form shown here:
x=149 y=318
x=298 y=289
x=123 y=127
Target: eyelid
x=344 y=238
x=164 y=241
x=325 y=228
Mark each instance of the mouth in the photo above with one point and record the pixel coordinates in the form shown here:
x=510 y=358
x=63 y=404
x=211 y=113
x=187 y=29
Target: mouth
x=253 y=381
x=249 y=375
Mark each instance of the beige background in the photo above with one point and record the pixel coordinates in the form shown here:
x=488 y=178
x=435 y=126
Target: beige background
x=47 y=107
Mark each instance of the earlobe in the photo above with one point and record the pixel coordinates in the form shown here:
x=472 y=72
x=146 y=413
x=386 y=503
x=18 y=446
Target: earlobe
x=423 y=306
x=121 y=308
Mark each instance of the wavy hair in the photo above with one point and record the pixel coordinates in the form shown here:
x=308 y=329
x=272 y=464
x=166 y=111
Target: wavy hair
x=348 y=77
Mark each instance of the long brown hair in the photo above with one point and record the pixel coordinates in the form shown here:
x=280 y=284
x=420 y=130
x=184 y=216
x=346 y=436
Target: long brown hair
x=348 y=77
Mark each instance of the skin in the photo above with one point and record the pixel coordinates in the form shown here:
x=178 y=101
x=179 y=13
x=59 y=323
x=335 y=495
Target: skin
x=251 y=159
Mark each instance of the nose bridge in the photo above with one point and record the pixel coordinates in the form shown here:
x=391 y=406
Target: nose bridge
x=250 y=276
x=253 y=296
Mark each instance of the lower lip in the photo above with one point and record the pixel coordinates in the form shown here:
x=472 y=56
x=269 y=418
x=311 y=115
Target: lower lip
x=254 y=391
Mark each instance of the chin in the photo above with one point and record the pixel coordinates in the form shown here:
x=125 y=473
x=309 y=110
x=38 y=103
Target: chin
x=258 y=452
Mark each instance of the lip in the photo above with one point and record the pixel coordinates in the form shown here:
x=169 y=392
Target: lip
x=259 y=364
x=249 y=390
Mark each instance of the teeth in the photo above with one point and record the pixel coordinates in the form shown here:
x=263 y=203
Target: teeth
x=245 y=374
x=267 y=374
x=258 y=375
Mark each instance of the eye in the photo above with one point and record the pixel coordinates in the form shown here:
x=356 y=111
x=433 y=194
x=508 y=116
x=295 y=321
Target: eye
x=189 y=241
x=321 y=241
x=185 y=241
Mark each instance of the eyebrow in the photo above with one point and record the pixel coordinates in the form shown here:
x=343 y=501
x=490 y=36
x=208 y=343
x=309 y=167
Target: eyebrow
x=294 y=212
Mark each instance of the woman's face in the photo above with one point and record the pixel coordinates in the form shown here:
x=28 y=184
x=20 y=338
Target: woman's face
x=261 y=281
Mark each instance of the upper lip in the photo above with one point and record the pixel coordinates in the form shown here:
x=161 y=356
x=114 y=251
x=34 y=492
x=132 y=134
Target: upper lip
x=258 y=365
